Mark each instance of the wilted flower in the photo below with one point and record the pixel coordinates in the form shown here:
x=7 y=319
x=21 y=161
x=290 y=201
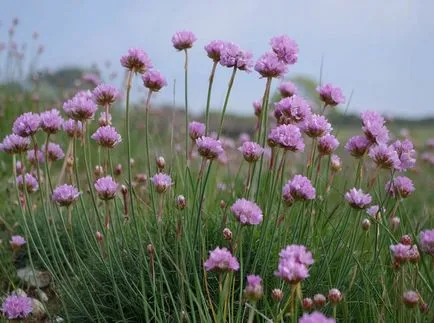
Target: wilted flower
x=107 y=136
x=161 y=182
x=221 y=259
x=154 y=80
x=285 y=48
x=385 y=156
x=105 y=94
x=251 y=151
x=287 y=137
x=14 y=144
x=254 y=290
x=27 y=124
x=183 y=39
x=327 y=144
x=16 y=307
x=373 y=127
x=81 y=107
x=214 y=49
x=357 y=146
x=316 y=126
x=106 y=187
x=196 y=130
x=65 y=194
x=331 y=95
x=51 y=121
x=208 y=147
x=31 y=183
x=400 y=187
x=73 y=128
x=298 y=189
x=426 y=240
x=287 y=89
x=136 y=60
x=315 y=317
x=269 y=65
x=358 y=199
x=247 y=212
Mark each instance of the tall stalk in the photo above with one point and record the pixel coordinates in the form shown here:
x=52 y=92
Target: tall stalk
x=208 y=98
x=225 y=105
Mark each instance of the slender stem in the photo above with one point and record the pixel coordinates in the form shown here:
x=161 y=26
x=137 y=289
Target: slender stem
x=151 y=188
x=127 y=124
x=186 y=101
x=208 y=99
x=225 y=105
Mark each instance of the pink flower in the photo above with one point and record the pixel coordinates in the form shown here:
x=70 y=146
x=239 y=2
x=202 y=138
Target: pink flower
x=247 y=212
x=136 y=60
x=106 y=187
x=251 y=151
x=285 y=48
x=221 y=260
x=358 y=199
x=208 y=147
x=183 y=40
x=400 y=187
x=331 y=95
x=161 y=182
x=154 y=80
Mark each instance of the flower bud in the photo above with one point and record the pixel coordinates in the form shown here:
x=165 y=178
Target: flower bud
x=99 y=236
x=410 y=298
x=227 y=234
x=98 y=171
x=366 y=224
x=150 y=249
x=406 y=240
x=118 y=170
x=70 y=161
x=222 y=204
x=277 y=294
x=319 y=300
x=424 y=308
x=335 y=296
x=395 y=222
x=307 y=304
x=161 y=163
x=132 y=162
x=124 y=189
x=181 y=202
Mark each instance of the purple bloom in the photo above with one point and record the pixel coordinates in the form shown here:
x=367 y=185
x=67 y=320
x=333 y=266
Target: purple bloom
x=16 y=307
x=410 y=298
x=426 y=240
x=17 y=241
x=293 y=264
x=65 y=195
x=299 y=188
x=373 y=211
x=233 y=56
x=107 y=137
x=31 y=183
x=54 y=151
x=400 y=187
x=357 y=199
x=286 y=136
x=183 y=40
x=254 y=290
x=136 y=60
x=105 y=94
x=81 y=106
x=385 y=156
x=316 y=126
x=221 y=260
x=27 y=124
x=73 y=128
x=251 y=151
x=51 y=121
x=208 y=147
x=373 y=127
x=293 y=110
x=214 y=49
x=161 y=182
x=327 y=144
x=406 y=154
x=154 y=80
x=331 y=96
x=402 y=253
x=106 y=187
x=357 y=146
x=315 y=317
x=91 y=78
x=196 y=130
x=285 y=48
x=14 y=144
x=31 y=156
x=247 y=212
x=269 y=65
x=287 y=89
x=257 y=106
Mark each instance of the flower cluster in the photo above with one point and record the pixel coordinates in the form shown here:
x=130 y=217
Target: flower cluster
x=106 y=188
x=331 y=95
x=373 y=127
x=402 y=253
x=107 y=136
x=154 y=80
x=221 y=259
x=294 y=263
x=136 y=61
x=51 y=121
x=400 y=187
x=426 y=239
x=358 y=199
x=247 y=212
x=161 y=182
x=233 y=56
x=14 y=144
x=30 y=181
x=65 y=194
x=81 y=107
x=105 y=94
x=183 y=40
x=251 y=151
x=298 y=189
x=17 y=307
x=27 y=124
x=209 y=148
x=287 y=137
x=292 y=110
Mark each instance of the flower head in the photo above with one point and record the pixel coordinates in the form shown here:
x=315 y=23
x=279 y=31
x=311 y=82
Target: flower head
x=51 y=121
x=294 y=264
x=14 y=144
x=327 y=144
x=31 y=157
x=287 y=137
x=16 y=307
x=357 y=146
x=400 y=187
x=385 y=156
x=233 y=56
x=161 y=182
x=254 y=289
x=426 y=240
x=335 y=163
x=106 y=187
x=81 y=107
x=17 y=241
x=410 y=298
x=27 y=124
x=107 y=136
x=331 y=95
x=269 y=65
x=358 y=199
x=285 y=48
x=136 y=60
x=247 y=212
x=316 y=126
x=196 y=130
x=406 y=154
x=257 y=106
x=183 y=40
x=251 y=151
x=105 y=119
x=374 y=128
x=54 y=151
x=209 y=148
x=73 y=128
x=214 y=49
x=154 y=80
x=105 y=94
x=287 y=89
x=221 y=259
x=31 y=183
x=315 y=317
x=292 y=110
x=299 y=188
x=65 y=194
x=402 y=253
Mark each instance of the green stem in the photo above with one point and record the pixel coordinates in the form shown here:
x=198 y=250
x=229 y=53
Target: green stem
x=208 y=98
x=225 y=105
x=127 y=125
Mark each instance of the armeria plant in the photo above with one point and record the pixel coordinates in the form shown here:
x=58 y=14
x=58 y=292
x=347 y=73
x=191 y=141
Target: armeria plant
x=215 y=231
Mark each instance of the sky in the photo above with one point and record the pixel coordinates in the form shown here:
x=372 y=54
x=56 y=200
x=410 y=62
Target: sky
x=380 y=50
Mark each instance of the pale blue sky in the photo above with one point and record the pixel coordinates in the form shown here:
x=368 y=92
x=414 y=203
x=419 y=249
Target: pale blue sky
x=383 y=50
